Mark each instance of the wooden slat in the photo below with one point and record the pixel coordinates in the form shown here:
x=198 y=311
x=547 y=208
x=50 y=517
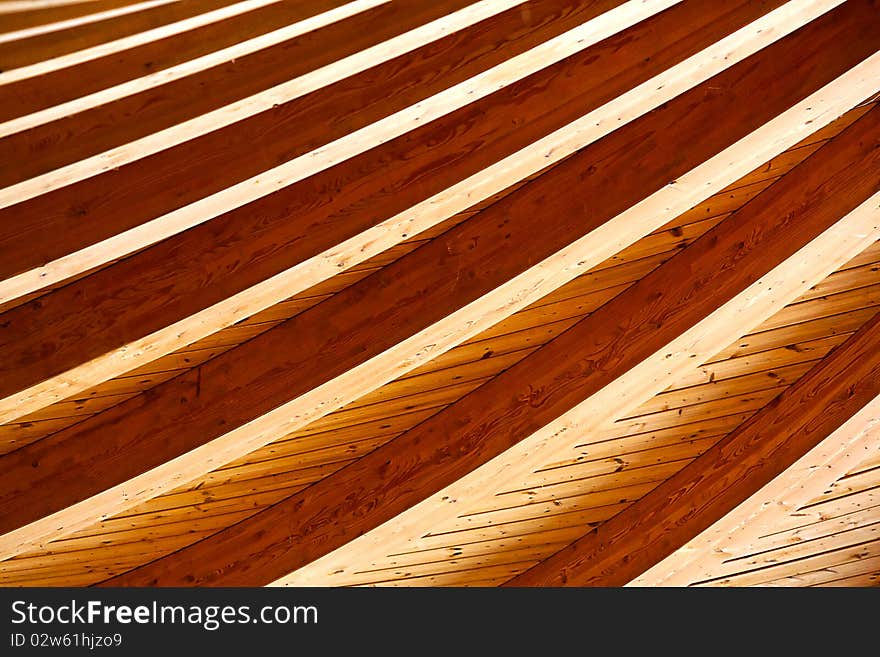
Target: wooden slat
x=758 y=535
x=585 y=359
x=149 y=347
x=828 y=550
x=267 y=116
x=539 y=506
x=353 y=554
x=817 y=513
x=65 y=553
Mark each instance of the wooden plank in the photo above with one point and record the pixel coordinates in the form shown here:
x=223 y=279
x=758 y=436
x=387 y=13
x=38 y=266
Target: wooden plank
x=864 y=580
x=627 y=271
x=828 y=573
x=325 y=570
x=765 y=574
x=837 y=389
x=845 y=545
x=807 y=532
x=758 y=342
x=176 y=162
x=342 y=108
x=779 y=357
x=270 y=81
x=594 y=355
x=434 y=377
x=264 y=257
x=275 y=465
x=834 y=508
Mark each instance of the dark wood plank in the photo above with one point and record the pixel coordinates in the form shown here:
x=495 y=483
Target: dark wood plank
x=178 y=277
x=506 y=238
x=733 y=470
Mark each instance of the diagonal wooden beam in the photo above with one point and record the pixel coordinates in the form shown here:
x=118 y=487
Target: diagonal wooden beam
x=732 y=277
x=335 y=352
x=725 y=476
x=267 y=256
x=66 y=24
x=512 y=469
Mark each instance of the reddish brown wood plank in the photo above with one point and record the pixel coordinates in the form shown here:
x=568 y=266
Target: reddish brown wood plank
x=726 y=475
x=588 y=357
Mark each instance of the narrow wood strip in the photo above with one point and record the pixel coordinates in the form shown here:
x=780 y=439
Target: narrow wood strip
x=556 y=439
x=7 y=36
x=706 y=556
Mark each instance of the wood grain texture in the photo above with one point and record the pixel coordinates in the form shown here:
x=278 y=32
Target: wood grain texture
x=158 y=184
x=212 y=501
x=301 y=354
x=794 y=531
x=540 y=388
x=566 y=491
x=437 y=291
x=217 y=499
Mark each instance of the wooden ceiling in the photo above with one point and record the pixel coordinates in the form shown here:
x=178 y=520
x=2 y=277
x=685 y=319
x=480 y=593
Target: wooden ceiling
x=440 y=293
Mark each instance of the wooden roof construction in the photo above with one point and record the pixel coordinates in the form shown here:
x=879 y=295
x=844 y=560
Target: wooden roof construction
x=439 y=293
